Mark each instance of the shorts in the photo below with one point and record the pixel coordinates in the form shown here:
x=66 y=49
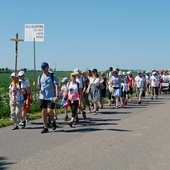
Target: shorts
x=130 y=91
x=44 y=104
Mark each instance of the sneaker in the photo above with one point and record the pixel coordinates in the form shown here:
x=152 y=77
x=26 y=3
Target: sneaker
x=20 y=124
x=77 y=119
x=95 y=113
x=23 y=124
x=84 y=115
x=27 y=117
x=54 y=126
x=45 y=130
x=55 y=118
x=116 y=107
x=66 y=118
x=15 y=128
x=151 y=98
x=139 y=102
x=70 y=124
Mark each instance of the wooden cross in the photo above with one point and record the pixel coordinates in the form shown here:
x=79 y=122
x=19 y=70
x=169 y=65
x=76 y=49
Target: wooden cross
x=16 y=51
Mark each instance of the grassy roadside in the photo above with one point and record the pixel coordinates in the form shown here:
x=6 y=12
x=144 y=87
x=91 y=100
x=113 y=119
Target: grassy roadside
x=7 y=121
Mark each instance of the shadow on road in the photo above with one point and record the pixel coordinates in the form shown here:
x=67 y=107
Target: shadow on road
x=83 y=130
x=4 y=164
x=91 y=125
x=114 y=112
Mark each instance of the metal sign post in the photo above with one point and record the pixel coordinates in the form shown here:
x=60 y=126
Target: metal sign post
x=34 y=33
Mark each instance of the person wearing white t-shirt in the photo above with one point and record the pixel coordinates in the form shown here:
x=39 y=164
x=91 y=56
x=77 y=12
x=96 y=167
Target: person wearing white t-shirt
x=154 y=82
x=73 y=98
x=79 y=80
x=64 y=94
x=164 y=77
x=140 y=84
x=147 y=76
x=110 y=88
x=25 y=114
x=16 y=92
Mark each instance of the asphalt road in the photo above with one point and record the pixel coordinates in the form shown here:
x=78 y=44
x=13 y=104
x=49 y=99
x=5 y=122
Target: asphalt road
x=131 y=138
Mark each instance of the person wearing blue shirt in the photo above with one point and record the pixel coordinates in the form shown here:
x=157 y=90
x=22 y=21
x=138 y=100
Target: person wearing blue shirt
x=49 y=94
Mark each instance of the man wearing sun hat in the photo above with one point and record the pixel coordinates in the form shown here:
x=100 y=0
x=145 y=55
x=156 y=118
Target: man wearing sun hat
x=48 y=86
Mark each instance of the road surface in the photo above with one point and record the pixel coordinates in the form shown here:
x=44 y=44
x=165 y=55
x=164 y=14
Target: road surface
x=132 y=138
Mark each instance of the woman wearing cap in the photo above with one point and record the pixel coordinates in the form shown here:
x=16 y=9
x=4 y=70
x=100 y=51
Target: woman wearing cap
x=25 y=80
x=103 y=85
x=94 y=90
x=16 y=92
x=64 y=94
x=73 y=98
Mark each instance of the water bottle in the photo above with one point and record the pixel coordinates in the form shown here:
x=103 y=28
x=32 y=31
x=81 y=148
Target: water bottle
x=52 y=99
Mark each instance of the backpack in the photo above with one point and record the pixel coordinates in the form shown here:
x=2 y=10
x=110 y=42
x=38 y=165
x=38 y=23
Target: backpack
x=52 y=78
x=25 y=95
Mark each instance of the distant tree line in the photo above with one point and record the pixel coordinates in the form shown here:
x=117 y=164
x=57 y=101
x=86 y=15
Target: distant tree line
x=7 y=70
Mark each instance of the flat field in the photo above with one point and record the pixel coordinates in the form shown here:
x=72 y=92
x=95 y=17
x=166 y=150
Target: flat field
x=4 y=86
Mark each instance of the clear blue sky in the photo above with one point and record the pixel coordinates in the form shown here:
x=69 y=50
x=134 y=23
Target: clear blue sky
x=131 y=34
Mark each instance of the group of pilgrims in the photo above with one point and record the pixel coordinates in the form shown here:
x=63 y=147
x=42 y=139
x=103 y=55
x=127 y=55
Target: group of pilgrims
x=84 y=91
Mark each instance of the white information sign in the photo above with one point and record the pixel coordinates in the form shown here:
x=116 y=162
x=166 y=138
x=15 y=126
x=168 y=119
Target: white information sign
x=34 y=31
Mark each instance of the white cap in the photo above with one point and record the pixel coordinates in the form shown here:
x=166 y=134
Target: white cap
x=129 y=72
x=21 y=73
x=120 y=73
x=13 y=75
x=76 y=71
x=154 y=72
x=124 y=73
x=64 y=79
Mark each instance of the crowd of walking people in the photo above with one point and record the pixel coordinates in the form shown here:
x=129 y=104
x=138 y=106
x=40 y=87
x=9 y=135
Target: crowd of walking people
x=83 y=90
